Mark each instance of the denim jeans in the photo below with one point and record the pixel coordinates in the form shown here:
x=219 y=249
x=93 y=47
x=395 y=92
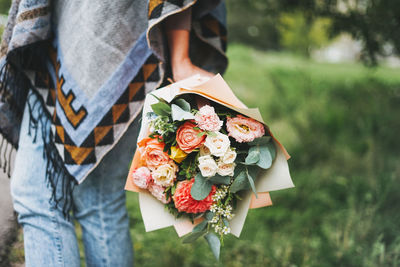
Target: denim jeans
x=99 y=207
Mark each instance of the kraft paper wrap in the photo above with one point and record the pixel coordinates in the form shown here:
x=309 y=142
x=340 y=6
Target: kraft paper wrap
x=217 y=90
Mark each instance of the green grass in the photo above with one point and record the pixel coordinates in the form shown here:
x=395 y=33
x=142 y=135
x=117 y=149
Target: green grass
x=340 y=123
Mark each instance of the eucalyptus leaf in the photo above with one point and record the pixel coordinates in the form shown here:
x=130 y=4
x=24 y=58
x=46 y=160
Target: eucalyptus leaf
x=209 y=215
x=240 y=183
x=226 y=222
x=179 y=114
x=261 y=141
x=214 y=243
x=183 y=104
x=267 y=155
x=218 y=179
x=161 y=109
x=254 y=155
x=253 y=171
x=200 y=227
x=201 y=187
x=193 y=236
x=251 y=182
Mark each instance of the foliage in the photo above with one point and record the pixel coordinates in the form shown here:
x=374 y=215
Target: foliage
x=302 y=25
x=301 y=35
x=4 y=6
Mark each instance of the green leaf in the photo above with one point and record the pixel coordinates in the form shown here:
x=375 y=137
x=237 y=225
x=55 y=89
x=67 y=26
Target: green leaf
x=173 y=190
x=211 y=134
x=209 y=215
x=201 y=187
x=254 y=155
x=251 y=182
x=156 y=97
x=200 y=227
x=161 y=109
x=218 y=179
x=214 y=243
x=253 y=171
x=183 y=104
x=267 y=155
x=179 y=114
x=193 y=236
x=226 y=222
x=240 y=183
x=201 y=134
x=260 y=141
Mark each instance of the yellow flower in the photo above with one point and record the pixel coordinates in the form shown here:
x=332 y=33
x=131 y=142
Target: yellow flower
x=177 y=154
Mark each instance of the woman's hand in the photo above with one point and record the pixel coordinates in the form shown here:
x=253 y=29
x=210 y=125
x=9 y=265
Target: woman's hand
x=185 y=68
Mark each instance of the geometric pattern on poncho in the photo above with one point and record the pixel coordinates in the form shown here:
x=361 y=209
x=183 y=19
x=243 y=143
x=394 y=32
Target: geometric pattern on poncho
x=110 y=128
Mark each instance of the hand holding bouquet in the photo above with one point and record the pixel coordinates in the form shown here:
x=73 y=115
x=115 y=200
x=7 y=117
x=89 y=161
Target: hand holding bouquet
x=199 y=156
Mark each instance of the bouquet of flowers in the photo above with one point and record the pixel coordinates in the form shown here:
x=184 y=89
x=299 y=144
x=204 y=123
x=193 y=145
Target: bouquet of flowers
x=200 y=153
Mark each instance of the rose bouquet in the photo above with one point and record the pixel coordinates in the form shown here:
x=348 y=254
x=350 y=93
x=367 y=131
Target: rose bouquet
x=199 y=156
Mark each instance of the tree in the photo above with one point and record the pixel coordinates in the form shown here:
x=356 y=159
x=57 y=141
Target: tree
x=375 y=22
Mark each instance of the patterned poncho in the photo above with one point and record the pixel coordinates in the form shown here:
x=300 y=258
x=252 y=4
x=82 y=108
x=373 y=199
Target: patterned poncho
x=91 y=63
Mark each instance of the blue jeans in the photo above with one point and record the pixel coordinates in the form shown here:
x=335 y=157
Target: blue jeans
x=99 y=207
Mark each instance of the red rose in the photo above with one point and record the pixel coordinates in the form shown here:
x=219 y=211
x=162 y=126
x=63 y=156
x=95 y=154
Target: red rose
x=184 y=201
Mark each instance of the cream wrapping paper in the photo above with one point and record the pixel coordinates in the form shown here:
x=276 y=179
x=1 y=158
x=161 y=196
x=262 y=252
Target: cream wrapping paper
x=276 y=178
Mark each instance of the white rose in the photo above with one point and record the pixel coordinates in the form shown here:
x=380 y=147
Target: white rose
x=229 y=156
x=165 y=175
x=226 y=169
x=204 y=151
x=207 y=165
x=217 y=144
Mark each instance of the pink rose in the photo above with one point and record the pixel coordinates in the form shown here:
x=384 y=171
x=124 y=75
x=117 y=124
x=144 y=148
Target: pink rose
x=152 y=153
x=208 y=120
x=158 y=192
x=142 y=177
x=187 y=138
x=244 y=129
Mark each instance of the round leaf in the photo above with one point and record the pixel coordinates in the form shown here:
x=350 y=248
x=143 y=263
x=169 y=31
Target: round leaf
x=214 y=243
x=201 y=188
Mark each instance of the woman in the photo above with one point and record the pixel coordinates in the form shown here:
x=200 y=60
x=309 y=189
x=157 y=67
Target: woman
x=73 y=82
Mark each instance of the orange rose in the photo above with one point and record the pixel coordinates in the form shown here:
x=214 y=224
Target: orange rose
x=187 y=137
x=152 y=153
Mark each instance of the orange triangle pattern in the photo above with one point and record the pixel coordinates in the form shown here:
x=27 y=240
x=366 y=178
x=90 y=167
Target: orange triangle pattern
x=134 y=88
x=148 y=70
x=60 y=132
x=117 y=111
x=78 y=154
x=100 y=132
x=153 y=4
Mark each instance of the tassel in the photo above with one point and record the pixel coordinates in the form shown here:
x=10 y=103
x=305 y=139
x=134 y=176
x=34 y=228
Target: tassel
x=6 y=157
x=58 y=179
x=15 y=91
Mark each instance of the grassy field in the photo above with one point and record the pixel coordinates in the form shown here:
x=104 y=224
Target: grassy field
x=340 y=123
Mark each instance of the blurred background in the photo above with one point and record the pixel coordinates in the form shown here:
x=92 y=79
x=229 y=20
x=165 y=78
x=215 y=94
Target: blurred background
x=326 y=76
